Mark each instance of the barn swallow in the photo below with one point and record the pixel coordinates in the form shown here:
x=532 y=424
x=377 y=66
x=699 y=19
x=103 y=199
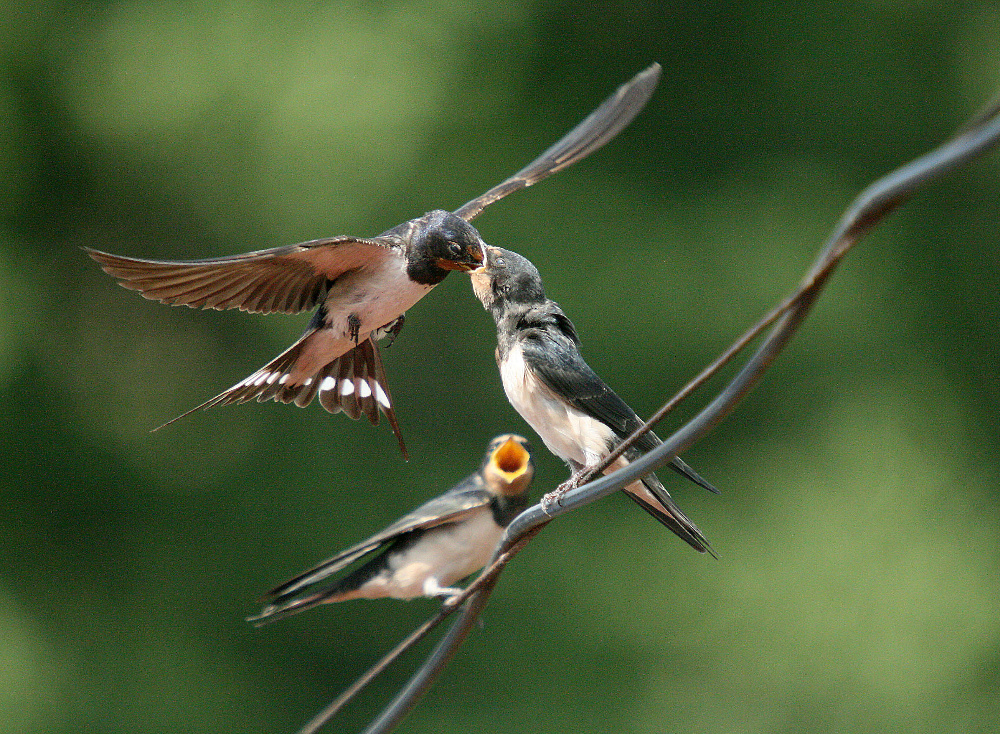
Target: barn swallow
x=360 y=288
x=427 y=550
x=579 y=418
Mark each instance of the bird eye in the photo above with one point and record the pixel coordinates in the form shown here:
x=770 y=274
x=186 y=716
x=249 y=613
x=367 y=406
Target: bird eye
x=455 y=249
x=500 y=262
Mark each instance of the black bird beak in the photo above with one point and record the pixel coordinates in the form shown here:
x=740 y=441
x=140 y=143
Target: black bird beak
x=478 y=262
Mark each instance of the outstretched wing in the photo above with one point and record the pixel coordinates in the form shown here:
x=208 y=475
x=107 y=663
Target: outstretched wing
x=597 y=129
x=286 y=279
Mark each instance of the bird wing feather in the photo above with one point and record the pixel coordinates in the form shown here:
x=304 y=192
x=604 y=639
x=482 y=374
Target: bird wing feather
x=598 y=128
x=455 y=504
x=552 y=355
x=288 y=279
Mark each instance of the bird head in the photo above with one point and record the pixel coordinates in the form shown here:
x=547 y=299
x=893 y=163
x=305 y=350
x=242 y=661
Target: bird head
x=507 y=467
x=507 y=278
x=451 y=243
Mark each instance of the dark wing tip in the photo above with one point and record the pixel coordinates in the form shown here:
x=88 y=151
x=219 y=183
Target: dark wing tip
x=599 y=127
x=684 y=469
x=274 y=611
x=666 y=511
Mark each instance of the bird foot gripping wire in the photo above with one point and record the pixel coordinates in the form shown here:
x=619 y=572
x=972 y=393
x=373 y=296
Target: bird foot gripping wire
x=553 y=499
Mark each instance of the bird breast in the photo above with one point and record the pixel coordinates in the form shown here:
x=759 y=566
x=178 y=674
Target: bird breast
x=375 y=298
x=567 y=432
x=447 y=553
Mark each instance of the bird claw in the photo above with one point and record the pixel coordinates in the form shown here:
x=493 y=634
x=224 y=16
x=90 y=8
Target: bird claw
x=575 y=480
x=353 y=328
x=391 y=330
x=450 y=599
x=448 y=594
x=553 y=499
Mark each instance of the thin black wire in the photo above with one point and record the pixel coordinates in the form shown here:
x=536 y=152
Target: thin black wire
x=869 y=208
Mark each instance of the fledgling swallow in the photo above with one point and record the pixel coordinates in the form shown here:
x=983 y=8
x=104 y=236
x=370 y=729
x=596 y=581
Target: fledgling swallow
x=427 y=550
x=579 y=418
x=360 y=288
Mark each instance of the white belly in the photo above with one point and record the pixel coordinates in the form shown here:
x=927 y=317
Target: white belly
x=375 y=295
x=447 y=554
x=568 y=433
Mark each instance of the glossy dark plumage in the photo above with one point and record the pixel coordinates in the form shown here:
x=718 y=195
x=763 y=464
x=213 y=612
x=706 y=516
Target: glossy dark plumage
x=579 y=418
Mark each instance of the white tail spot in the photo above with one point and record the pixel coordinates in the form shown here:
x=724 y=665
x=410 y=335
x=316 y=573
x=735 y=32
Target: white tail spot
x=381 y=396
x=346 y=387
x=364 y=391
x=327 y=384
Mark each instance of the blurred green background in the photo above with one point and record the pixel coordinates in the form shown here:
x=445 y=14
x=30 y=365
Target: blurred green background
x=858 y=585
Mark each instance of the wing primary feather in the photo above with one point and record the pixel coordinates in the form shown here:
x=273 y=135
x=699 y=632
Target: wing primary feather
x=670 y=515
x=684 y=469
x=286 y=279
x=597 y=129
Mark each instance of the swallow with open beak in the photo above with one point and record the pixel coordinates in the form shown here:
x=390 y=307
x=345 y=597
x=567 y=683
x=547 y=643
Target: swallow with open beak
x=579 y=418
x=427 y=550
x=360 y=288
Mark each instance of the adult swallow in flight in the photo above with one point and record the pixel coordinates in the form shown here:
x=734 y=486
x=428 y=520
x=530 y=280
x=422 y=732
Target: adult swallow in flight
x=360 y=288
x=579 y=418
x=426 y=551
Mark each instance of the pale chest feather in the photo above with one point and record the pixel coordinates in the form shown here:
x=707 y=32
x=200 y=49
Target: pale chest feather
x=567 y=432
x=375 y=294
x=448 y=554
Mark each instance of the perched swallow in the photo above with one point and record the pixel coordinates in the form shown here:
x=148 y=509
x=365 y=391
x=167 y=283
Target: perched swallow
x=579 y=418
x=359 y=287
x=426 y=551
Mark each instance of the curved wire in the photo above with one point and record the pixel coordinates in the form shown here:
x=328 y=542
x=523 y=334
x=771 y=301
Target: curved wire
x=866 y=211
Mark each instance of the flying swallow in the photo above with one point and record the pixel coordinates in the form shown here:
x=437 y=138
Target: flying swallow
x=427 y=550
x=579 y=418
x=360 y=288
